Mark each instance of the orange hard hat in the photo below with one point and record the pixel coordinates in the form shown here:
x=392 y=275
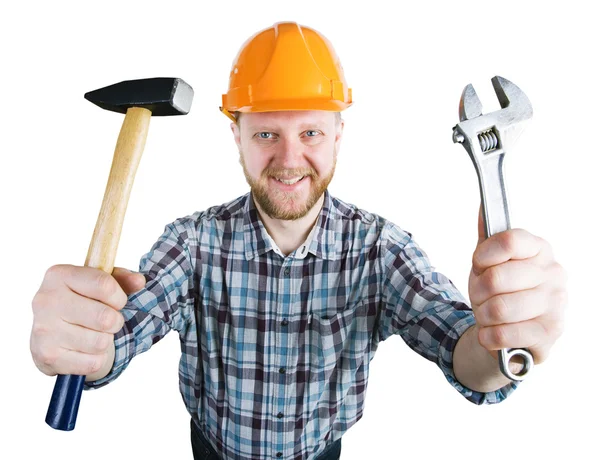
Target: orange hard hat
x=286 y=67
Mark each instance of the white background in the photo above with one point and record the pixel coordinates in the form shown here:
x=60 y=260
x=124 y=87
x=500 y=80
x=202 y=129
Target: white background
x=407 y=65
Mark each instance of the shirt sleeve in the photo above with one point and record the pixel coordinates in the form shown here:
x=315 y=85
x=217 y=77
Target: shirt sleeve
x=425 y=309
x=165 y=303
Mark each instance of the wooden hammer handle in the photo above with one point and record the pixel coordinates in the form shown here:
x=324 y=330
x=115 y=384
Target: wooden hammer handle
x=64 y=404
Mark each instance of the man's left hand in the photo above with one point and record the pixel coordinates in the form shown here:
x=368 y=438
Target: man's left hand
x=518 y=292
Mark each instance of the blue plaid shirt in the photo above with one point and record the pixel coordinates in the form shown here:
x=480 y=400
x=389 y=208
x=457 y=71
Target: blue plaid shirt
x=276 y=350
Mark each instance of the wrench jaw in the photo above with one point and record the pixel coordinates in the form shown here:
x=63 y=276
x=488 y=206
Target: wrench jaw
x=470 y=105
x=510 y=94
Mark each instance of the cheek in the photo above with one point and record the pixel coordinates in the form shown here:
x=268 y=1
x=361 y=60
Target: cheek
x=323 y=163
x=255 y=163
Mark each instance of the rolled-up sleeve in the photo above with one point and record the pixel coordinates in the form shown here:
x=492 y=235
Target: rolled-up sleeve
x=165 y=303
x=426 y=309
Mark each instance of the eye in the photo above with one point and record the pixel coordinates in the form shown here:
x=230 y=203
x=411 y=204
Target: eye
x=314 y=133
x=264 y=135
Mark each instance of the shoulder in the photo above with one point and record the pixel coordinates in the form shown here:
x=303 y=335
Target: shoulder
x=368 y=225
x=214 y=217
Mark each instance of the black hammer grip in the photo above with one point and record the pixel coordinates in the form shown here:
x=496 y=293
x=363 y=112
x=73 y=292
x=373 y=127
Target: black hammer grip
x=64 y=404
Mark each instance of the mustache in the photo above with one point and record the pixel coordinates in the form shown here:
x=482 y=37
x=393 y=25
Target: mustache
x=287 y=173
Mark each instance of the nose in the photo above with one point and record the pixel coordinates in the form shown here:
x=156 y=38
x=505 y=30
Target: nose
x=290 y=153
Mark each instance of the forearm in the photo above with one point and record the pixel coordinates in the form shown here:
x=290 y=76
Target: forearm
x=475 y=368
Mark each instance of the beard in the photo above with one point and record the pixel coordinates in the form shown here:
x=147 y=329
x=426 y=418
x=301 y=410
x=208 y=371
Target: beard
x=287 y=205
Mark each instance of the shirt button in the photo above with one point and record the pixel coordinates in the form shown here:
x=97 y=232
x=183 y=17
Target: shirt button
x=279 y=454
x=281 y=370
x=280 y=415
x=285 y=322
x=286 y=272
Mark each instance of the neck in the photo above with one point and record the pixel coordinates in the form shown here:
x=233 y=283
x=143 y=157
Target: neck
x=290 y=234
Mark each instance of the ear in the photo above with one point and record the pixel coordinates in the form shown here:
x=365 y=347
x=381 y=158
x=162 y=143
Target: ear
x=338 y=135
x=236 y=134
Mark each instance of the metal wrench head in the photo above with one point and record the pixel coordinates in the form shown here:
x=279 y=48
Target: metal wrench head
x=505 y=125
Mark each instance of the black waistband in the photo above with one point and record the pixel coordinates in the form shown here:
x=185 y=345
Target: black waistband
x=203 y=450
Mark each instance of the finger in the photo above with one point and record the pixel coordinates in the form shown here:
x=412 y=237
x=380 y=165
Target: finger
x=525 y=334
x=51 y=359
x=501 y=247
x=91 y=314
x=71 y=362
x=129 y=281
x=511 y=276
x=512 y=307
x=83 y=340
x=93 y=283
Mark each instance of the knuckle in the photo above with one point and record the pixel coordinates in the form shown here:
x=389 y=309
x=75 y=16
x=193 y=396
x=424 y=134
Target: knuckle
x=508 y=241
x=497 y=310
x=57 y=272
x=38 y=330
x=43 y=301
x=560 y=272
x=546 y=247
x=101 y=342
x=93 y=364
x=111 y=290
x=47 y=356
x=106 y=284
x=499 y=336
x=491 y=279
x=38 y=302
x=106 y=319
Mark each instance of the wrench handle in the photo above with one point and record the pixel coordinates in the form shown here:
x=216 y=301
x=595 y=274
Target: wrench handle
x=496 y=218
x=64 y=404
x=494 y=198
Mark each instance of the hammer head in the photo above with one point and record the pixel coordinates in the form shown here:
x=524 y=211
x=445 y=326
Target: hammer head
x=162 y=96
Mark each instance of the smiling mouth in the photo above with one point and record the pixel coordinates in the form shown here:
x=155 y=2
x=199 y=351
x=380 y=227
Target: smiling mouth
x=290 y=181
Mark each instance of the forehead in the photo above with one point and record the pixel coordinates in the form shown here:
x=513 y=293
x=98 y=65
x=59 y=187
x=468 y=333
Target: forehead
x=287 y=119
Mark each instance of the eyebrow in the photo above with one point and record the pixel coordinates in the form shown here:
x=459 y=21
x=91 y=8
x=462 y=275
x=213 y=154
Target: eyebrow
x=276 y=128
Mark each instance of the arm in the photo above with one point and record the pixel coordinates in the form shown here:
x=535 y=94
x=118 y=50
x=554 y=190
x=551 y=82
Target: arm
x=430 y=314
x=165 y=303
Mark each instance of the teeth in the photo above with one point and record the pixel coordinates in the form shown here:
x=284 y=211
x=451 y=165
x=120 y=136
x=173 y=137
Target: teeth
x=291 y=181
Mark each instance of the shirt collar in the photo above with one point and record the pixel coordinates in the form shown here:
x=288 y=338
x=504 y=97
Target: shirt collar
x=321 y=242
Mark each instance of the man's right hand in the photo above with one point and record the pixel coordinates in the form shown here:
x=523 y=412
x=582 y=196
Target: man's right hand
x=76 y=313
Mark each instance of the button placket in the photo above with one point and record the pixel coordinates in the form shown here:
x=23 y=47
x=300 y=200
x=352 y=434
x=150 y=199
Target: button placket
x=283 y=309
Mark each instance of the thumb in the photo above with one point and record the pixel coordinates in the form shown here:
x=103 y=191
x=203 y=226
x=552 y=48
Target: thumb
x=129 y=281
x=480 y=226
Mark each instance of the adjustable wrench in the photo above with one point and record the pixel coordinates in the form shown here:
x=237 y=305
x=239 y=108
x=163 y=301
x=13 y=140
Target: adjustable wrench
x=487 y=138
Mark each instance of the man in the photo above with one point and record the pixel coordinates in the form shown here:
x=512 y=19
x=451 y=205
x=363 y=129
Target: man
x=282 y=296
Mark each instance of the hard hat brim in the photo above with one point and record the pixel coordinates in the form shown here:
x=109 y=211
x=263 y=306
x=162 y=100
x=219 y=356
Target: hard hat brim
x=294 y=104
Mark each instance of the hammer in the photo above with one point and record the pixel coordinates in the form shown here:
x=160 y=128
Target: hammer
x=138 y=100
